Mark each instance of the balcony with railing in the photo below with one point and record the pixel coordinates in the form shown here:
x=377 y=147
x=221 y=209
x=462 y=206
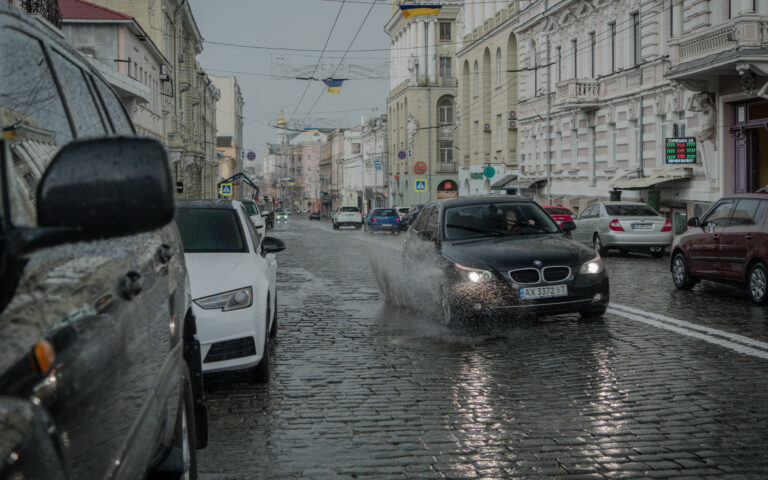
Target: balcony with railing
x=447 y=167
x=577 y=93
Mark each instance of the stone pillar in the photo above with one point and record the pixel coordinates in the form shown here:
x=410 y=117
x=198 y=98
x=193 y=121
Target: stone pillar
x=391 y=64
x=478 y=6
x=430 y=67
x=747 y=6
x=413 y=46
x=421 y=49
x=469 y=21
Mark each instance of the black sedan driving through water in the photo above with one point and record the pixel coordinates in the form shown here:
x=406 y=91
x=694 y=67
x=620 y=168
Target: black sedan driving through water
x=506 y=256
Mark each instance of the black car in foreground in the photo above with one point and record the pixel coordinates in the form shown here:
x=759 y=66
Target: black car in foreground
x=506 y=256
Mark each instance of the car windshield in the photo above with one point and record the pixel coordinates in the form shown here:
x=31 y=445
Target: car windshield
x=496 y=219
x=348 y=209
x=631 y=211
x=208 y=230
x=403 y=210
x=251 y=208
x=385 y=212
x=559 y=211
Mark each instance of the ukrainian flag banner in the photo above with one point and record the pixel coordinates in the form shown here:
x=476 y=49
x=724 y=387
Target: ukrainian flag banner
x=311 y=130
x=410 y=11
x=334 y=86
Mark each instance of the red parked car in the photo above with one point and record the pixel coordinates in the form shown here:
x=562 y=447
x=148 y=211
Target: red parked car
x=559 y=214
x=729 y=244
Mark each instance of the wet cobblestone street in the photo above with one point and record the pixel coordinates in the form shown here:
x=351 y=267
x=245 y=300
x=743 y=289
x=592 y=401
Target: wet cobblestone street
x=668 y=385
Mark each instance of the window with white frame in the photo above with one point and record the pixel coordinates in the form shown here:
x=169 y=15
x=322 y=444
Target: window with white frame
x=499 y=121
x=477 y=135
x=445 y=66
x=612 y=46
x=499 y=68
x=575 y=58
x=477 y=80
x=445 y=111
x=446 y=151
x=636 y=39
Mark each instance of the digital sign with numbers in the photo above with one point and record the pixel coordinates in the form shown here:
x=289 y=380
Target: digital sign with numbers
x=681 y=150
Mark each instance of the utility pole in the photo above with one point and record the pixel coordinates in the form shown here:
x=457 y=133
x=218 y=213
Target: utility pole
x=362 y=166
x=549 y=129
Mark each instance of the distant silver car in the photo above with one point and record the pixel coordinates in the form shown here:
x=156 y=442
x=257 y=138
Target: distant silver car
x=626 y=226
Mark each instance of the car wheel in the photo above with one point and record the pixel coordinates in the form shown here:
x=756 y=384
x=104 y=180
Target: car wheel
x=335 y=226
x=358 y=227
x=261 y=371
x=593 y=313
x=451 y=313
x=657 y=253
x=681 y=276
x=757 y=283
x=597 y=244
x=273 y=332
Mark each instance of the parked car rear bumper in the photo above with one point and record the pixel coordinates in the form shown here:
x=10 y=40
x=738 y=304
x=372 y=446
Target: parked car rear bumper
x=632 y=240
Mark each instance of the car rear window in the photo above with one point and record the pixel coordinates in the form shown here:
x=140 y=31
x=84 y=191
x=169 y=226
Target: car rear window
x=631 y=211
x=385 y=212
x=403 y=210
x=208 y=230
x=348 y=209
x=558 y=211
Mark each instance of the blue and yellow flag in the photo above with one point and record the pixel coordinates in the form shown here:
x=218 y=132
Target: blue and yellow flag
x=410 y=11
x=311 y=130
x=334 y=86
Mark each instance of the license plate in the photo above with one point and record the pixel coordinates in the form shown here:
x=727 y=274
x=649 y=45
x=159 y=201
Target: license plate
x=548 y=291
x=642 y=226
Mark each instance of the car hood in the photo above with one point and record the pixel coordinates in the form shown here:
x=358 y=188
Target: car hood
x=506 y=253
x=212 y=273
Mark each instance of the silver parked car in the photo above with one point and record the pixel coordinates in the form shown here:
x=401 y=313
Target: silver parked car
x=626 y=226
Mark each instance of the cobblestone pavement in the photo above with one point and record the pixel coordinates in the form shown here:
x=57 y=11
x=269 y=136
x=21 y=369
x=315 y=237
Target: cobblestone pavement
x=675 y=388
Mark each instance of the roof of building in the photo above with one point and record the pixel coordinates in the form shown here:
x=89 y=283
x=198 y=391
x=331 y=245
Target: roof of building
x=81 y=9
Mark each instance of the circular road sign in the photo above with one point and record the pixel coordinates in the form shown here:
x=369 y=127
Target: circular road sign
x=489 y=172
x=401 y=155
x=251 y=156
x=419 y=167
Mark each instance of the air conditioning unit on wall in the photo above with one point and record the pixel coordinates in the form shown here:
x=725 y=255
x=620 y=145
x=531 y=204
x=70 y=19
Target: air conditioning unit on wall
x=486 y=127
x=511 y=124
x=512 y=115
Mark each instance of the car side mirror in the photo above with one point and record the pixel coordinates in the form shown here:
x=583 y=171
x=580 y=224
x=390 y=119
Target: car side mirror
x=107 y=187
x=568 y=226
x=272 y=245
x=693 y=222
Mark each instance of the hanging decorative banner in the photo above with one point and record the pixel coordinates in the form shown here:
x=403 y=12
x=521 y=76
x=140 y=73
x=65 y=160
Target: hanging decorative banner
x=334 y=86
x=410 y=11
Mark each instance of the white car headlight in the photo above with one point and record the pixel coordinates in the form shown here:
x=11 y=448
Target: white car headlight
x=475 y=275
x=232 y=300
x=592 y=267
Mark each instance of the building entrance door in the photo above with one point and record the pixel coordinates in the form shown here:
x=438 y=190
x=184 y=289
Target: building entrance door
x=750 y=146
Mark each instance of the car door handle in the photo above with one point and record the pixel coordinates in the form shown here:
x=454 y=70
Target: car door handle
x=164 y=253
x=715 y=237
x=131 y=284
x=748 y=236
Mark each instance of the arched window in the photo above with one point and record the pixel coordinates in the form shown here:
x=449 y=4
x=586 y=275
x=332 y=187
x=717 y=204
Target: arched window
x=535 y=67
x=477 y=80
x=445 y=110
x=499 y=68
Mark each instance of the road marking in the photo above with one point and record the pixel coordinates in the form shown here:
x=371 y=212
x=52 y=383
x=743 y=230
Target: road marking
x=731 y=341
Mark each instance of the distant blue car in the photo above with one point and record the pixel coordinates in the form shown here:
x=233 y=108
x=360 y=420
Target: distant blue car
x=385 y=219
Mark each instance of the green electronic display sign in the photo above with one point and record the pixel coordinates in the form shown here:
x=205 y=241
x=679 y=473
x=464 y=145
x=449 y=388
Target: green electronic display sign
x=681 y=150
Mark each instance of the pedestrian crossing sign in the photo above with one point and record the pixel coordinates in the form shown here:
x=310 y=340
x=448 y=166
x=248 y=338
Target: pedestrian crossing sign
x=420 y=185
x=225 y=189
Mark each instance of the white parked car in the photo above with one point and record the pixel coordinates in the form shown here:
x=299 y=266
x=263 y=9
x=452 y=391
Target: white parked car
x=401 y=211
x=232 y=272
x=256 y=216
x=347 y=216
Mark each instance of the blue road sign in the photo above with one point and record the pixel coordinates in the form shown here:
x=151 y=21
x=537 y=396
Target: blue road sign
x=225 y=189
x=251 y=156
x=420 y=185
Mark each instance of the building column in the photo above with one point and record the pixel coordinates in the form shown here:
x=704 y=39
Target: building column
x=391 y=65
x=478 y=7
x=430 y=68
x=421 y=50
x=412 y=45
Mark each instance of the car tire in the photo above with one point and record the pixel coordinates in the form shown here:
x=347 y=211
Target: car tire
x=358 y=227
x=657 y=254
x=451 y=314
x=681 y=275
x=597 y=244
x=757 y=283
x=593 y=313
x=273 y=331
x=260 y=372
x=335 y=226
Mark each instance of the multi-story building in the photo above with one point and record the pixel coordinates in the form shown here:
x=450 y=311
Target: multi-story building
x=353 y=173
x=312 y=192
x=597 y=104
x=326 y=183
x=421 y=105
x=229 y=123
x=336 y=141
x=374 y=149
x=487 y=51
x=119 y=47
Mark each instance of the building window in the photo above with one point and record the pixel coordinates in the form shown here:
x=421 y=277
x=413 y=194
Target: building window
x=498 y=129
x=559 y=63
x=445 y=66
x=477 y=80
x=445 y=31
x=637 y=47
x=672 y=18
x=592 y=54
x=574 y=54
x=355 y=148
x=446 y=152
x=499 y=68
x=445 y=111
x=535 y=67
x=612 y=46
x=477 y=135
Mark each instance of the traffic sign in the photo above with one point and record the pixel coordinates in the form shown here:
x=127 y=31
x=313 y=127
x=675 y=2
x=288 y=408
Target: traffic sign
x=489 y=172
x=401 y=155
x=251 y=156
x=225 y=189
x=419 y=167
x=420 y=185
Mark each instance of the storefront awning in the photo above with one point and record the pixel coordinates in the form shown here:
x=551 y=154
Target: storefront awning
x=502 y=184
x=653 y=178
x=525 y=183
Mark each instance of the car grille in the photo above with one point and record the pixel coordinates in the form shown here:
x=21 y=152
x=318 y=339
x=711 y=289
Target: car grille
x=241 y=347
x=525 y=275
x=556 y=274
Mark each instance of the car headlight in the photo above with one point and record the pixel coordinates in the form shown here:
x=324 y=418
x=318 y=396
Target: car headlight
x=592 y=267
x=233 y=300
x=475 y=275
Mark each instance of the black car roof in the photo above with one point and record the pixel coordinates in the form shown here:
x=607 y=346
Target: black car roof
x=480 y=200
x=202 y=203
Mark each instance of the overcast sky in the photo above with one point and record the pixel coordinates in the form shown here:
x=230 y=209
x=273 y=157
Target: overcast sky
x=296 y=24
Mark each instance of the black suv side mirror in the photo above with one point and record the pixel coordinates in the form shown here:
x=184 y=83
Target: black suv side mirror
x=272 y=245
x=568 y=226
x=693 y=222
x=107 y=187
